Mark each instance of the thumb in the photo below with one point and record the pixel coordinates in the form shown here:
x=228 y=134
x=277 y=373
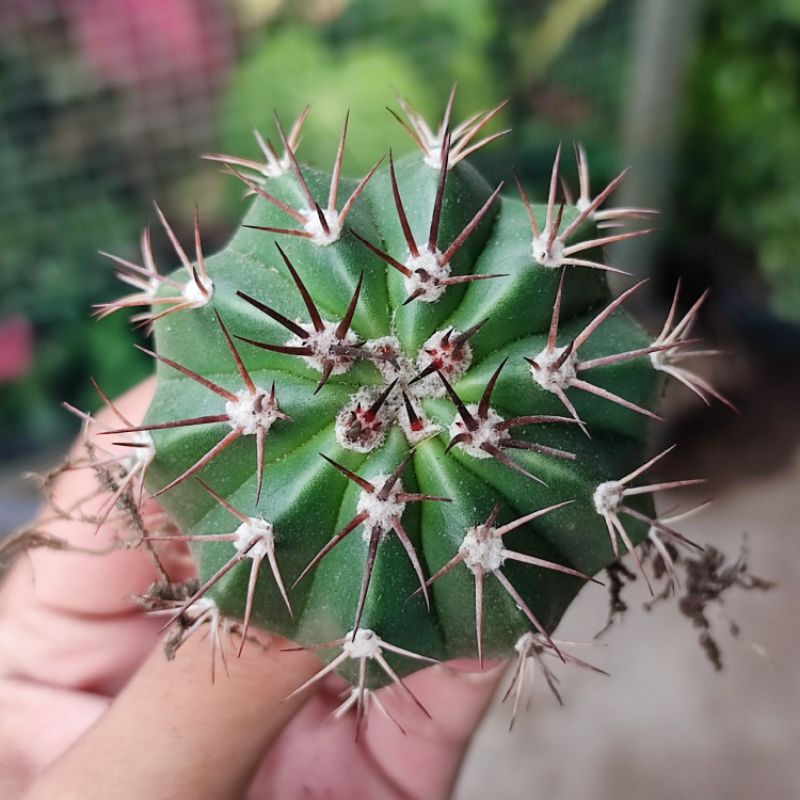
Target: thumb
x=171 y=733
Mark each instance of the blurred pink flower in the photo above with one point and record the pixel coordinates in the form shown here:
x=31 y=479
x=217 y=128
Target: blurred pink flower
x=131 y=42
x=16 y=348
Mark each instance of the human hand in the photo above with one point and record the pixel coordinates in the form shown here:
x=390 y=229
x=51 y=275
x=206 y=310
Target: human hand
x=90 y=707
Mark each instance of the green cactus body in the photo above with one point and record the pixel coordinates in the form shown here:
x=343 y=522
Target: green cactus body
x=306 y=500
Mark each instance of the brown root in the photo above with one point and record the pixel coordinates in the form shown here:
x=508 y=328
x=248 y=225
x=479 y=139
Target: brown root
x=698 y=581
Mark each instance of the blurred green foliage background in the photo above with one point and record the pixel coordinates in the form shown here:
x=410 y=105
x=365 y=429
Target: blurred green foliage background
x=739 y=174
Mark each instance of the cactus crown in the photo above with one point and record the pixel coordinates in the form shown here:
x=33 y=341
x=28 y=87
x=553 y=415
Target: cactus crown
x=400 y=419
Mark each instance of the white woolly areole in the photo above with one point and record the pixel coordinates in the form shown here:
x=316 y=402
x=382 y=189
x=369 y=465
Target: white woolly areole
x=145 y=450
x=428 y=430
x=525 y=643
x=552 y=260
x=607 y=497
x=198 y=294
x=203 y=604
x=275 y=167
x=313 y=225
x=427 y=272
x=452 y=367
x=482 y=550
x=364 y=398
x=251 y=412
x=321 y=342
x=433 y=153
x=660 y=359
x=257 y=534
x=429 y=386
x=380 y=512
x=486 y=432
x=550 y=377
x=403 y=367
x=203 y=607
x=149 y=286
x=365 y=644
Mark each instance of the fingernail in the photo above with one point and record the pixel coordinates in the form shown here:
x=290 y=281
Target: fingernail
x=470 y=670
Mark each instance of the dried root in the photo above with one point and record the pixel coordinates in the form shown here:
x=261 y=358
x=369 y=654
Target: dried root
x=698 y=581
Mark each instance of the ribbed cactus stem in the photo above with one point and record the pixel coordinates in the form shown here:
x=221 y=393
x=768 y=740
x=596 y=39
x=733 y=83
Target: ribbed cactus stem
x=400 y=419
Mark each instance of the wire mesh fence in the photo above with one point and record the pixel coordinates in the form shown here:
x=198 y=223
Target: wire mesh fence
x=108 y=106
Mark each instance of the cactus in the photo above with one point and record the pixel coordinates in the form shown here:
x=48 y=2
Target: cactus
x=401 y=420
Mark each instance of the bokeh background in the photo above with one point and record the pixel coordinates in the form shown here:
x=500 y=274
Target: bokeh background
x=106 y=105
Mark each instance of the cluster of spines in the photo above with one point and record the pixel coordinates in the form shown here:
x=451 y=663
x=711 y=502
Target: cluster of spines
x=196 y=292
x=451 y=143
x=321 y=225
x=332 y=347
x=427 y=269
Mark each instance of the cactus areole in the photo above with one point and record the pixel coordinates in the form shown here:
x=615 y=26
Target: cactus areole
x=401 y=419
